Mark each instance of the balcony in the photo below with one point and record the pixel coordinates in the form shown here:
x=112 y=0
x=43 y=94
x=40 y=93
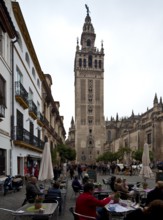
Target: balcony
x=21 y=95
x=40 y=119
x=2 y=111
x=25 y=139
x=46 y=122
x=32 y=109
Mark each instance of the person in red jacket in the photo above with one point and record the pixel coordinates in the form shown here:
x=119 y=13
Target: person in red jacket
x=86 y=203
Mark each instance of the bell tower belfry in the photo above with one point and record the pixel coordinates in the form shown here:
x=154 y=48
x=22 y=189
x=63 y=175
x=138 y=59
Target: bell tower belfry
x=89 y=96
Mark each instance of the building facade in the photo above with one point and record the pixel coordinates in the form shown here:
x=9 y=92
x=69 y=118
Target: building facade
x=89 y=96
x=32 y=116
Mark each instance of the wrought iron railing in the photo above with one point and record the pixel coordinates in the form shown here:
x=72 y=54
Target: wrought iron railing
x=32 y=107
x=20 y=91
x=40 y=117
x=21 y=134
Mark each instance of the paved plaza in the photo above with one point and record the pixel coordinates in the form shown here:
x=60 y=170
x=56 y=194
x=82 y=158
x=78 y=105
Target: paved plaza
x=13 y=201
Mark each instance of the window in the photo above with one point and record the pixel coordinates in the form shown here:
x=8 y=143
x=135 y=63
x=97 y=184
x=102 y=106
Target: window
x=95 y=63
x=2 y=91
x=109 y=136
x=90 y=109
x=90 y=61
x=100 y=64
x=149 y=138
x=38 y=106
x=38 y=83
x=1 y=41
x=80 y=62
x=30 y=95
x=88 y=43
x=33 y=73
x=19 y=75
x=85 y=63
x=27 y=59
x=20 y=41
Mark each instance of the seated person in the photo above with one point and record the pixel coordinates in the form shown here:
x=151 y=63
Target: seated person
x=156 y=193
x=76 y=184
x=153 y=211
x=86 y=203
x=32 y=190
x=54 y=193
x=125 y=192
x=126 y=185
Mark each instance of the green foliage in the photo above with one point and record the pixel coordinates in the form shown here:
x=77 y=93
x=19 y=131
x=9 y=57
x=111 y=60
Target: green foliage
x=54 y=156
x=108 y=156
x=137 y=155
x=66 y=153
x=121 y=152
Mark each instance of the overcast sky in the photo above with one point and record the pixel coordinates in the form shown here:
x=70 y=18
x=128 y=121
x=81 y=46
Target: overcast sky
x=132 y=31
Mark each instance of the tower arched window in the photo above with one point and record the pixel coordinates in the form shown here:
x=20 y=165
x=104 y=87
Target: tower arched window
x=100 y=64
x=95 y=63
x=80 y=62
x=85 y=63
x=88 y=43
x=90 y=61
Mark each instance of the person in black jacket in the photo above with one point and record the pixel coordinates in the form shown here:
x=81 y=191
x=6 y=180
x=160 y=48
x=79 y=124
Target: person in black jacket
x=156 y=193
x=32 y=190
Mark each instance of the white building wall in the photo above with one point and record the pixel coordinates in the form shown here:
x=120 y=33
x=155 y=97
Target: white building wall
x=29 y=82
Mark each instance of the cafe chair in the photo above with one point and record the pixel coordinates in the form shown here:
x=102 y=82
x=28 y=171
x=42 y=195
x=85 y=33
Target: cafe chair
x=52 y=199
x=78 y=216
x=106 y=183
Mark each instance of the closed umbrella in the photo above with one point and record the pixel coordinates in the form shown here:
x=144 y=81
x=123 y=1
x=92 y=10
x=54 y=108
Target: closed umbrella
x=146 y=171
x=46 y=167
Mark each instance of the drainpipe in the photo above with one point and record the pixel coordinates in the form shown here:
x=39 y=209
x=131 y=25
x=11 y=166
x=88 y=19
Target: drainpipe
x=12 y=102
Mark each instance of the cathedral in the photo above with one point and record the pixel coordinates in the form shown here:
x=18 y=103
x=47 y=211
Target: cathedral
x=90 y=134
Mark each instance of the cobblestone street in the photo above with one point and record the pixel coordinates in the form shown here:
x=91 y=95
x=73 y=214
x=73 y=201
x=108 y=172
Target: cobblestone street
x=13 y=200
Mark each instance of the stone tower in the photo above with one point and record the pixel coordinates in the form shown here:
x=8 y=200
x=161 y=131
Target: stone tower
x=89 y=96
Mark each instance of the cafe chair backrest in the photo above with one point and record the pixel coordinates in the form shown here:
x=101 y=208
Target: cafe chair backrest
x=78 y=216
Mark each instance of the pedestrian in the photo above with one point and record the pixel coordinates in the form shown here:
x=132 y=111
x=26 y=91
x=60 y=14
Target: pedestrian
x=80 y=171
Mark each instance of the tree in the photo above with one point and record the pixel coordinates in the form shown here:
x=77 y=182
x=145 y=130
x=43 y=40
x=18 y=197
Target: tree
x=66 y=153
x=108 y=156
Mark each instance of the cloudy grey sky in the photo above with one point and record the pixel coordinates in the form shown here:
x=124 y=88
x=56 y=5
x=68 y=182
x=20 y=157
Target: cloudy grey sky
x=132 y=31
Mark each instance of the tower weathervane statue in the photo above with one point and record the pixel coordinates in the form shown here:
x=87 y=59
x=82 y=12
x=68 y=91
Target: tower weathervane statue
x=88 y=11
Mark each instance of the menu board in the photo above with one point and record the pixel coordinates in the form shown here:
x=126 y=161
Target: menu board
x=92 y=175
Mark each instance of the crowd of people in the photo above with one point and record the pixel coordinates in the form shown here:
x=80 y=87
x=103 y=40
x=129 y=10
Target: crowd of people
x=88 y=205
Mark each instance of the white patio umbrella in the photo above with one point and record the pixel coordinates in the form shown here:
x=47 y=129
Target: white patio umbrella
x=46 y=167
x=146 y=171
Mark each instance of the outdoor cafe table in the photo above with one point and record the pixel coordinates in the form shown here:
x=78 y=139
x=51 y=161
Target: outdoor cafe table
x=119 y=210
x=29 y=210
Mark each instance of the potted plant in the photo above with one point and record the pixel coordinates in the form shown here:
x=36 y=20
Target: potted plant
x=99 y=186
x=38 y=202
x=116 y=197
x=145 y=185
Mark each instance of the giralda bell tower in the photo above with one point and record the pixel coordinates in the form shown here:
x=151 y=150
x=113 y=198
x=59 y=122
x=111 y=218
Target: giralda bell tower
x=89 y=96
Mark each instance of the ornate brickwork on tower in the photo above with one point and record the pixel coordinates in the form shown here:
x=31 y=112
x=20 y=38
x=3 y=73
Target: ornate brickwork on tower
x=89 y=96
